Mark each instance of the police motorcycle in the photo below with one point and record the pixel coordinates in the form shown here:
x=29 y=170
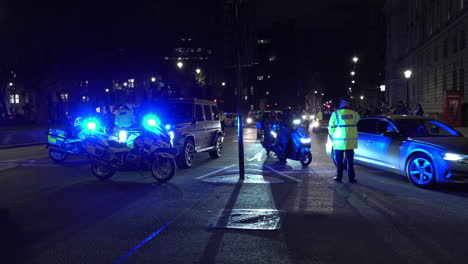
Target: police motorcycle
x=298 y=147
x=138 y=149
x=61 y=144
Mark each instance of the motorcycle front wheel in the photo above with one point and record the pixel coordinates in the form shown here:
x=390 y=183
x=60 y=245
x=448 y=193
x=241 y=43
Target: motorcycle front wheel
x=58 y=156
x=102 y=171
x=163 y=169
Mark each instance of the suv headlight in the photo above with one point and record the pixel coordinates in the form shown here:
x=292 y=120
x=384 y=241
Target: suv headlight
x=452 y=156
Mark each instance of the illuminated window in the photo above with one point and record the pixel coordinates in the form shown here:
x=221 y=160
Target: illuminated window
x=272 y=58
x=260 y=78
x=14 y=98
x=85 y=98
x=64 y=97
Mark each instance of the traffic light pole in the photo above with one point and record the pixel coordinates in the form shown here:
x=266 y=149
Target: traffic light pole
x=240 y=127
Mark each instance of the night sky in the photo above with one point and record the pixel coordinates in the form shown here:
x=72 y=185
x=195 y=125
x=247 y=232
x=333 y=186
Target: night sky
x=333 y=30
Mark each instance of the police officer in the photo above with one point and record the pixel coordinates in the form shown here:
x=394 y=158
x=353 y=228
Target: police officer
x=124 y=117
x=342 y=129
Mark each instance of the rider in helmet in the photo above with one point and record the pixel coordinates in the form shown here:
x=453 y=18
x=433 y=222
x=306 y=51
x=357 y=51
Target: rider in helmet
x=284 y=134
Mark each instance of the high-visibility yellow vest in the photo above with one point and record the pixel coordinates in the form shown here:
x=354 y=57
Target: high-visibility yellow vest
x=124 y=118
x=343 y=129
x=319 y=116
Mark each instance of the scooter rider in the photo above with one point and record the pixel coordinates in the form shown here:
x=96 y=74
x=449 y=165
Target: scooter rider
x=284 y=134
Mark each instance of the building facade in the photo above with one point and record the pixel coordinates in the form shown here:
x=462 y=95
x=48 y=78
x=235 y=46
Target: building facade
x=429 y=39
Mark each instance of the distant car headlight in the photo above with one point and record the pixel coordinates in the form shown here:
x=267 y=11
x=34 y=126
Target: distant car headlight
x=296 y=122
x=249 y=120
x=452 y=157
x=304 y=117
x=312 y=117
x=315 y=124
x=305 y=140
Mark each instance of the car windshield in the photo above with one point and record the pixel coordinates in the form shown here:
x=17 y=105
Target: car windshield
x=425 y=128
x=177 y=112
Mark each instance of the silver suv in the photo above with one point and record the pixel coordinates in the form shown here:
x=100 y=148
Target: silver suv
x=194 y=126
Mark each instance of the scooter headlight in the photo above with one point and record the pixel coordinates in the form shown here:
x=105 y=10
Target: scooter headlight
x=273 y=133
x=296 y=122
x=305 y=140
x=315 y=124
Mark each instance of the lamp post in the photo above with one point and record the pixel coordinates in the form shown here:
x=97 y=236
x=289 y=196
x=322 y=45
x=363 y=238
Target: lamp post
x=180 y=64
x=355 y=59
x=407 y=76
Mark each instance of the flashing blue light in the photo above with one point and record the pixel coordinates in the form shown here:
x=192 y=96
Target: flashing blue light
x=91 y=125
x=151 y=121
x=168 y=127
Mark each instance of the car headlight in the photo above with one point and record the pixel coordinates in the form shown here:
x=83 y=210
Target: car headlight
x=452 y=157
x=249 y=120
x=305 y=140
x=304 y=117
x=312 y=117
x=315 y=124
x=296 y=122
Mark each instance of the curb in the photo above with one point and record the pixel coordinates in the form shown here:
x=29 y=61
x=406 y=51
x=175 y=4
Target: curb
x=23 y=145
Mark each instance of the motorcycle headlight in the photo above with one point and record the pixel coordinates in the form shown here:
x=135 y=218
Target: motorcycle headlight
x=452 y=156
x=296 y=122
x=273 y=133
x=171 y=135
x=315 y=124
x=123 y=136
x=305 y=140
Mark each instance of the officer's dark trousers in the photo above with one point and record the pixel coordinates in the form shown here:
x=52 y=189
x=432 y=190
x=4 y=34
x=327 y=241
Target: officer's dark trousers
x=339 y=158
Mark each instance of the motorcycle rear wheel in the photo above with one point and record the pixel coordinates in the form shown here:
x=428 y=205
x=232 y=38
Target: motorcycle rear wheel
x=306 y=159
x=58 y=156
x=163 y=169
x=101 y=171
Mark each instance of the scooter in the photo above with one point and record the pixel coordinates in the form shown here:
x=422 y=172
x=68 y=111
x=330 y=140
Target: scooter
x=61 y=144
x=298 y=147
x=149 y=149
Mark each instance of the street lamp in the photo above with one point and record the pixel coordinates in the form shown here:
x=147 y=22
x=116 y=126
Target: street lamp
x=107 y=90
x=125 y=84
x=198 y=70
x=362 y=97
x=353 y=81
x=355 y=59
x=407 y=76
x=180 y=64
x=153 y=79
x=10 y=84
x=223 y=83
x=353 y=73
x=323 y=94
x=315 y=92
x=382 y=88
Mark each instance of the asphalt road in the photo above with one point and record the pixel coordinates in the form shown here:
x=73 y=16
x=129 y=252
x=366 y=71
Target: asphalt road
x=59 y=213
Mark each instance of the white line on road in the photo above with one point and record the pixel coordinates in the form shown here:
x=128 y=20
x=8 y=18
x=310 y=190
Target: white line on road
x=214 y=172
x=257 y=157
x=282 y=174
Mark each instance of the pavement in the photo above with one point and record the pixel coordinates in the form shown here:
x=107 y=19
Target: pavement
x=25 y=135
x=59 y=213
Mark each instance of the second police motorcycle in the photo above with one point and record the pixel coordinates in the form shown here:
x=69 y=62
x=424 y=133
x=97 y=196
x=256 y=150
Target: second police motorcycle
x=149 y=148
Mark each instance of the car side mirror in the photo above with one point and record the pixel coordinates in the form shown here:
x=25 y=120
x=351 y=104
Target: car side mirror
x=391 y=134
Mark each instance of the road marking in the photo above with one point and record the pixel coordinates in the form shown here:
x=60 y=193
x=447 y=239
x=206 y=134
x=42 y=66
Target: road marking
x=214 y=172
x=282 y=174
x=257 y=157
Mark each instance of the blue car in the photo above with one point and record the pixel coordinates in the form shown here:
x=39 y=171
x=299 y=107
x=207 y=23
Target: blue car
x=427 y=151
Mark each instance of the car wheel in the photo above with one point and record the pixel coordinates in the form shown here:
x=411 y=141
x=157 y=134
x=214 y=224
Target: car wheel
x=218 y=148
x=306 y=159
x=185 y=159
x=58 y=156
x=421 y=170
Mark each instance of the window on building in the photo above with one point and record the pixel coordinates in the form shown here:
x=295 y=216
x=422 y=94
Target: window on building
x=436 y=53
x=444 y=80
x=454 y=78
x=85 y=98
x=461 y=81
x=445 y=48
x=462 y=38
x=251 y=90
x=14 y=98
x=435 y=84
x=260 y=78
x=455 y=43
